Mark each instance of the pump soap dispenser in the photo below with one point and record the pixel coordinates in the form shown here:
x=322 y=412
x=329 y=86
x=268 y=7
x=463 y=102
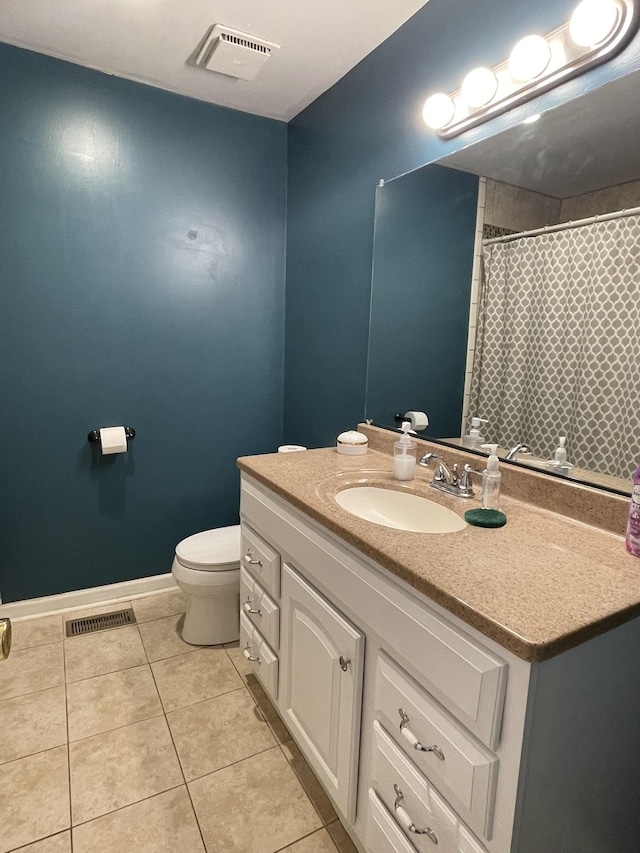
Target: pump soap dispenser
x=473 y=438
x=404 y=455
x=559 y=462
x=491 y=479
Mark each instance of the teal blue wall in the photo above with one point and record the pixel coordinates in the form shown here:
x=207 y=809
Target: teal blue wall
x=366 y=127
x=141 y=283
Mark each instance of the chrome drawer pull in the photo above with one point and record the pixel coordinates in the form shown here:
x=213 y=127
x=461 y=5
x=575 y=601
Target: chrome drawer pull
x=247 y=653
x=343 y=663
x=248 y=609
x=409 y=736
x=405 y=820
x=248 y=558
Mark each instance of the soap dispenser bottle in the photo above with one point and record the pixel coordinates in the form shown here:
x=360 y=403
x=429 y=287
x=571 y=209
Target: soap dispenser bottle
x=473 y=438
x=405 y=455
x=559 y=461
x=491 y=479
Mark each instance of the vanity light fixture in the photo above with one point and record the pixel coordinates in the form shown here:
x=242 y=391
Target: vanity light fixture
x=529 y=58
x=438 y=111
x=593 y=21
x=596 y=31
x=479 y=87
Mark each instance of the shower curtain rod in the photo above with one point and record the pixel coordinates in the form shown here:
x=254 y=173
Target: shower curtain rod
x=548 y=229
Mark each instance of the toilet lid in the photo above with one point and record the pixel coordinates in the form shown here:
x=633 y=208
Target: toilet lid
x=211 y=550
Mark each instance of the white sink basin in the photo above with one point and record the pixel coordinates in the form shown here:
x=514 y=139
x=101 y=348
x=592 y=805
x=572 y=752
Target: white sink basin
x=400 y=510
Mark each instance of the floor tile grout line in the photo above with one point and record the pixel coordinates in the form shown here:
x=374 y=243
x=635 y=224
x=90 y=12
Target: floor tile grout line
x=200 y=701
x=66 y=714
x=39 y=840
x=302 y=785
x=122 y=808
x=175 y=749
x=35 y=752
x=178 y=654
x=308 y=835
x=290 y=763
x=15 y=649
x=117 y=728
x=157 y=618
x=30 y=693
x=109 y=672
x=237 y=669
x=40 y=689
x=232 y=764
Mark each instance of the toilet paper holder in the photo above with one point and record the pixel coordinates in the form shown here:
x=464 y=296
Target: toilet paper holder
x=94 y=435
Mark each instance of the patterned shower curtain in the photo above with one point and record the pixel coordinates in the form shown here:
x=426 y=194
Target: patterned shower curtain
x=558 y=344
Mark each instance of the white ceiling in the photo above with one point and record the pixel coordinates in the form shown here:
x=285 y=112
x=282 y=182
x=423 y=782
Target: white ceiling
x=154 y=42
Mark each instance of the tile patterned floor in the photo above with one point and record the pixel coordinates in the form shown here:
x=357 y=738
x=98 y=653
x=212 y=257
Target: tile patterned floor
x=131 y=739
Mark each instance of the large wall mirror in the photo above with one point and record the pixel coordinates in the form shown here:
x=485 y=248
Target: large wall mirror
x=506 y=285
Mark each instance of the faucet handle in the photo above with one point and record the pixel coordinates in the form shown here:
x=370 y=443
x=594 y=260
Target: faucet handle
x=427 y=458
x=466 y=483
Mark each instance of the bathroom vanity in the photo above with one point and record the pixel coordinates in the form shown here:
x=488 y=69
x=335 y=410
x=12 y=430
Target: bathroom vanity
x=455 y=693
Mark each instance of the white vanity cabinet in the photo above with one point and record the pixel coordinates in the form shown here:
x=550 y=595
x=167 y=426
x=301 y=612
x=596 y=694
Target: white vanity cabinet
x=354 y=653
x=321 y=668
x=426 y=734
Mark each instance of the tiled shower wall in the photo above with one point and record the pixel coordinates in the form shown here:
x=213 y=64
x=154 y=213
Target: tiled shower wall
x=518 y=209
x=608 y=200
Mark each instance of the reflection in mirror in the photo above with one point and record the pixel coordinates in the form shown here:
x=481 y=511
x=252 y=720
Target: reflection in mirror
x=557 y=347
x=423 y=257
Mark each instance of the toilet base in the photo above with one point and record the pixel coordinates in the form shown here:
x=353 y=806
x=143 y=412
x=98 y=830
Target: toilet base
x=213 y=604
x=212 y=620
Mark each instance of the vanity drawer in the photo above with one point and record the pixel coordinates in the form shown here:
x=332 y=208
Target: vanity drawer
x=263 y=660
x=460 y=767
x=261 y=560
x=414 y=802
x=262 y=611
x=384 y=835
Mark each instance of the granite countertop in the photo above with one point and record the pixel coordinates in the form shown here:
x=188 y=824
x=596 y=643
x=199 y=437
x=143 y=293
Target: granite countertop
x=538 y=586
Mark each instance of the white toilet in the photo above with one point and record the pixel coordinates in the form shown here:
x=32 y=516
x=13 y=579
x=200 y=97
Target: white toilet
x=207 y=568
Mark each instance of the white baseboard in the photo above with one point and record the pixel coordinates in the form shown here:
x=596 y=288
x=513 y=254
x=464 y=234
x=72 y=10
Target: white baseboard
x=86 y=597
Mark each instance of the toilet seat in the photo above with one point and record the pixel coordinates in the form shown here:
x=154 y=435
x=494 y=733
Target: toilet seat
x=215 y=550
x=195 y=582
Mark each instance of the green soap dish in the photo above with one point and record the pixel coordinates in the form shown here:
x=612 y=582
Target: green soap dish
x=485 y=517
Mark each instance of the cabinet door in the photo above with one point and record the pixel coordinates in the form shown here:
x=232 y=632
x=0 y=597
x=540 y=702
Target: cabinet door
x=321 y=664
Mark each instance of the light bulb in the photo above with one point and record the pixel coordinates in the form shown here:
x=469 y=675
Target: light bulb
x=593 y=21
x=529 y=58
x=438 y=111
x=479 y=87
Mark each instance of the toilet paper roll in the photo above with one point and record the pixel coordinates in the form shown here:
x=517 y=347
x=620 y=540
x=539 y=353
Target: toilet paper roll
x=113 y=440
x=290 y=448
x=418 y=420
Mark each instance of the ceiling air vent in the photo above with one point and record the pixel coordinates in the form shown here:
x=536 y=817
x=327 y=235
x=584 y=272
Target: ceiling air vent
x=234 y=53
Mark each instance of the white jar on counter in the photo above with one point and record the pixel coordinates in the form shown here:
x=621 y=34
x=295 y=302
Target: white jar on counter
x=352 y=443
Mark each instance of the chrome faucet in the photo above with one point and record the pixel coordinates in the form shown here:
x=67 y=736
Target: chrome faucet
x=519 y=448
x=448 y=479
